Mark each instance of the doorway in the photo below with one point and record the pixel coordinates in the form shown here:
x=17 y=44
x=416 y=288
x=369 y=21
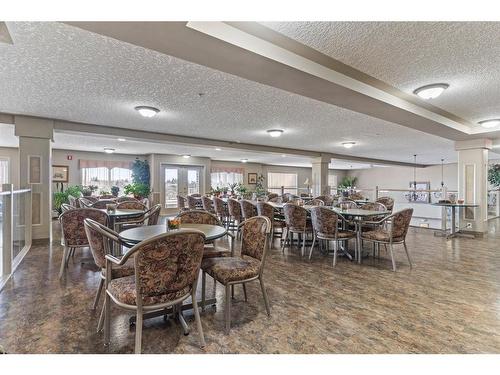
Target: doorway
x=180 y=180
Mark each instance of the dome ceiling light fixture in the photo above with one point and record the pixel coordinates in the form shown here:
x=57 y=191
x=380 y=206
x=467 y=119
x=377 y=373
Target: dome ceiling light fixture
x=146 y=111
x=488 y=124
x=186 y=156
x=275 y=132
x=244 y=160
x=431 y=91
x=348 y=144
x=109 y=150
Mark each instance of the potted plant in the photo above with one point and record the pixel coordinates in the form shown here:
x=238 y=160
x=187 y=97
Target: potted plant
x=87 y=191
x=138 y=190
x=115 y=190
x=494 y=175
x=232 y=187
x=61 y=197
x=347 y=185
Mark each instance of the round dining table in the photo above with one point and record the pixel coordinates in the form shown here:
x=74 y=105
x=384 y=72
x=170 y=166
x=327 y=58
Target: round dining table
x=136 y=235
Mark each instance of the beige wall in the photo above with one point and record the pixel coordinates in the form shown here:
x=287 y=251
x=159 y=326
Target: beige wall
x=13 y=155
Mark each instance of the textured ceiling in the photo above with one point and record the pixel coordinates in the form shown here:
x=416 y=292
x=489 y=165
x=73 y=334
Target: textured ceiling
x=407 y=55
x=55 y=70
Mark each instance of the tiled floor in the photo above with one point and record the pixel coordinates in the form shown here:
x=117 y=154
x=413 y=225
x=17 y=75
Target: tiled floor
x=448 y=303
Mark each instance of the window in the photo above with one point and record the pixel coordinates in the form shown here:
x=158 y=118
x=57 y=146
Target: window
x=223 y=179
x=332 y=183
x=4 y=171
x=275 y=180
x=104 y=177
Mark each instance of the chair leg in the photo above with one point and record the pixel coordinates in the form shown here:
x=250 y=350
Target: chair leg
x=264 y=294
x=101 y=319
x=107 y=318
x=197 y=319
x=407 y=254
x=312 y=246
x=232 y=291
x=98 y=294
x=284 y=241
x=63 y=261
x=227 y=311
x=203 y=286
x=245 y=291
x=138 y=332
x=392 y=257
x=335 y=247
x=303 y=250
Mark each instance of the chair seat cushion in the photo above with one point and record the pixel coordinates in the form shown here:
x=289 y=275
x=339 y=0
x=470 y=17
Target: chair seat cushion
x=123 y=290
x=341 y=234
x=229 y=269
x=211 y=252
x=379 y=235
x=279 y=224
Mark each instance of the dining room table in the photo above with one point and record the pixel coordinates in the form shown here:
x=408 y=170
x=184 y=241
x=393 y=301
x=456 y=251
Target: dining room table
x=145 y=232
x=453 y=226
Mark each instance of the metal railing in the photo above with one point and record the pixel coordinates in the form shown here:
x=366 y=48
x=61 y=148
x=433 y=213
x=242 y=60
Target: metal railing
x=15 y=229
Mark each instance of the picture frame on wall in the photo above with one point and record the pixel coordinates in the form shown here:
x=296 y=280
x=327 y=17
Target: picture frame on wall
x=60 y=173
x=252 y=178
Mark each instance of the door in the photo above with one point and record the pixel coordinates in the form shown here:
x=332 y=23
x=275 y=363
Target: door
x=180 y=180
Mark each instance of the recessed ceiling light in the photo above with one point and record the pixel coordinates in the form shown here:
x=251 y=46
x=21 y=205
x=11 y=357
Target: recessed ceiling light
x=431 y=91
x=275 y=132
x=244 y=160
x=121 y=139
x=109 y=150
x=186 y=156
x=283 y=156
x=218 y=149
x=146 y=111
x=489 y=123
x=348 y=144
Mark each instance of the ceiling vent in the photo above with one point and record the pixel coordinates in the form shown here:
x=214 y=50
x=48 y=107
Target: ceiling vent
x=4 y=34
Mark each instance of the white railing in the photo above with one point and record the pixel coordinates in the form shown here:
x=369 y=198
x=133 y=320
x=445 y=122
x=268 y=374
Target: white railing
x=15 y=229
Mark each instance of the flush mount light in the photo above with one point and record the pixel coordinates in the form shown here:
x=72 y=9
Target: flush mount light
x=348 y=144
x=244 y=160
x=108 y=150
x=186 y=156
x=489 y=123
x=431 y=91
x=218 y=149
x=283 y=156
x=275 y=132
x=146 y=111
x=121 y=139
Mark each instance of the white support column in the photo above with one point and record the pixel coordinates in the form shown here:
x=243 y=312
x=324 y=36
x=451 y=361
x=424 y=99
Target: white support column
x=35 y=164
x=472 y=182
x=320 y=176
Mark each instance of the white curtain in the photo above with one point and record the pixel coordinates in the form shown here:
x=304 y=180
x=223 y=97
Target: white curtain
x=223 y=179
x=275 y=180
x=104 y=178
x=4 y=171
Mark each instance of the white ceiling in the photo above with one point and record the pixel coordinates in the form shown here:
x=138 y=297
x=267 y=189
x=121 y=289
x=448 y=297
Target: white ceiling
x=407 y=55
x=58 y=71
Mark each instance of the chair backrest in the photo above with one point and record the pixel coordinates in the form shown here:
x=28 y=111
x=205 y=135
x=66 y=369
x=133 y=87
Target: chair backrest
x=265 y=209
x=152 y=215
x=168 y=264
x=220 y=207
x=66 y=207
x=347 y=203
x=254 y=237
x=373 y=206
x=327 y=199
x=192 y=201
x=324 y=221
x=296 y=201
x=272 y=196
x=207 y=204
x=198 y=217
x=100 y=204
x=388 y=202
x=131 y=205
x=400 y=222
x=125 y=199
x=73 y=201
x=181 y=202
x=295 y=217
x=316 y=202
x=275 y=200
x=196 y=195
x=106 y=196
x=99 y=237
x=248 y=209
x=73 y=228
x=356 y=196
x=85 y=202
x=234 y=209
x=92 y=198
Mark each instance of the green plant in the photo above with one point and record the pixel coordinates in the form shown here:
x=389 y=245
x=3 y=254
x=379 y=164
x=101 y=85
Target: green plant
x=494 y=175
x=259 y=186
x=241 y=189
x=140 y=172
x=348 y=182
x=115 y=190
x=88 y=190
x=60 y=197
x=138 y=190
x=103 y=192
x=232 y=187
x=75 y=191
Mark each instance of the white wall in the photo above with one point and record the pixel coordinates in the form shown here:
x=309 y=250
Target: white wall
x=13 y=155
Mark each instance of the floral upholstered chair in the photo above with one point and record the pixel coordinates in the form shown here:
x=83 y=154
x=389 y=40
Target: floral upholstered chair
x=106 y=196
x=101 y=240
x=125 y=199
x=272 y=196
x=248 y=209
x=325 y=225
x=192 y=202
x=296 y=222
x=267 y=210
x=150 y=217
x=327 y=199
x=66 y=207
x=388 y=202
x=234 y=210
x=181 y=203
x=248 y=267
x=74 y=202
x=85 y=202
x=73 y=231
x=316 y=202
x=101 y=204
x=399 y=223
x=131 y=205
x=208 y=205
x=166 y=270
x=221 y=211
x=347 y=204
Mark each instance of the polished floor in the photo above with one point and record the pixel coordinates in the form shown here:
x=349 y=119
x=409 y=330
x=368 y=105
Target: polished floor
x=448 y=303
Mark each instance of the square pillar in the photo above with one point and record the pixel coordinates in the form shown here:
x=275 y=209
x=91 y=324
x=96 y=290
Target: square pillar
x=320 y=176
x=473 y=183
x=35 y=164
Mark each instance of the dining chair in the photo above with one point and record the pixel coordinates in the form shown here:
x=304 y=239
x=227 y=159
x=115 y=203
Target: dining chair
x=207 y=204
x=235 y=216
x=247 y=267
x=181 y=203
x=347 y=204
x=101 y=204
x=192 y=202
x=296 y=222
x=325 y=225
x=66 y=207
x=106 y=196
x=73 y=201
x=131 y=205
x=124 y=198
x=248 y=209
x=267 y=210
x=272 y=196
x=150 y=217
x=221 y=211
x=398 y=224
x=388 y=202
x=166 y=269
x=73 y=231
x=327 y=199
x=315 y=202
x=85 y=202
